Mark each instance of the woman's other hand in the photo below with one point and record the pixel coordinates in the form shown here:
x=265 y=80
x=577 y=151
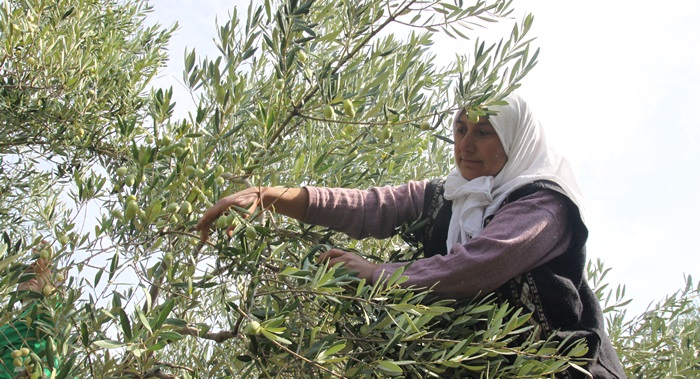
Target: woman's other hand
x=364 y=268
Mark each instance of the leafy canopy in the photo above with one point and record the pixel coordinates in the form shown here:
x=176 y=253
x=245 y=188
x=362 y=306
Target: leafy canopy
x=301 y=93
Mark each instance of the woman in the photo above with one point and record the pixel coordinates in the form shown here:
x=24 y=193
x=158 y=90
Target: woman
x=506 y=219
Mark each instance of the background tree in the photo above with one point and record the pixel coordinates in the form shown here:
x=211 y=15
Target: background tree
x=73 y=76
x=318 y=92
x=663 y=341
x=70 y=71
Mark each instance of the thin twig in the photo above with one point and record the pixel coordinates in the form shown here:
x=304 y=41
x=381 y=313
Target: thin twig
x=172 y=365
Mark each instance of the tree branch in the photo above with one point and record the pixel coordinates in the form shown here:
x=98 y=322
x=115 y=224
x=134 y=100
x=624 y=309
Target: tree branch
x=158 y=373
x=172 y=365
x=219 y=337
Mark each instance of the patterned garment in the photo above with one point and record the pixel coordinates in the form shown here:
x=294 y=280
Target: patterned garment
x=556 y=293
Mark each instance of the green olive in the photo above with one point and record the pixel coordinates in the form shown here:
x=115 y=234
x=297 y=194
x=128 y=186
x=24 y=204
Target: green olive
x=172 y=208
x=131 y=208
x=130 y=180
x=253 y=328
x=47 y=290
x=386 y=134
x=349 y=108
x=186 y=207
x=250 y=232
x=328 y=112
x=221 y=222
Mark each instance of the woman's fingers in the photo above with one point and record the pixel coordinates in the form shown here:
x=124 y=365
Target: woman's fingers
x=331 y=256
x=211 y=214
x=351 y=261
x=249 y=199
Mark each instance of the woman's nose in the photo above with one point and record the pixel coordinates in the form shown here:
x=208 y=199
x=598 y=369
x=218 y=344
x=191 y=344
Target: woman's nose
x=467 y=143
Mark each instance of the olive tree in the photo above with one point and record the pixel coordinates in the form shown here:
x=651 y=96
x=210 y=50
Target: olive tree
x=662 y=341
x=302 y=93
x=73 y=81
x=71 y=70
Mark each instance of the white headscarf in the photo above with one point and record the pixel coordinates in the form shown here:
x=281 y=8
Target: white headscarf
x=530 y=158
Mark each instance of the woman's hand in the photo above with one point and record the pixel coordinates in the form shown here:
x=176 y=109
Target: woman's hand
x=290 y=202
x=247 y=199
x=364 y=268
x=42 y=270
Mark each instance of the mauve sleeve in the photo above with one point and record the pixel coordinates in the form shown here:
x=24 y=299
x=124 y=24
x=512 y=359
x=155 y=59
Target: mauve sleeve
x=375 y=212
x=522 y=235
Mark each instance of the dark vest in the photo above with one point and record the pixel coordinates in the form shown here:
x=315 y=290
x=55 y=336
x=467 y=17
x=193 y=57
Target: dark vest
x=556 y=293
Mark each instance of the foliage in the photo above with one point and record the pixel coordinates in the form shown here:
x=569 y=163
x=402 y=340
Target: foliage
x=70 y=73
x=663 y=341
x=303 y=93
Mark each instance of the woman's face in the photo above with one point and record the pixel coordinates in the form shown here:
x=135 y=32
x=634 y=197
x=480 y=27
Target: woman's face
x=478 y=150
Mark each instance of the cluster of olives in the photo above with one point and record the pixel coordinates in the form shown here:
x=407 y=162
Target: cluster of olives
x=348 y=110
x=21 y=358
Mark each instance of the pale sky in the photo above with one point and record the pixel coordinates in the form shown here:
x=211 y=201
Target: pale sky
x=615 y=87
